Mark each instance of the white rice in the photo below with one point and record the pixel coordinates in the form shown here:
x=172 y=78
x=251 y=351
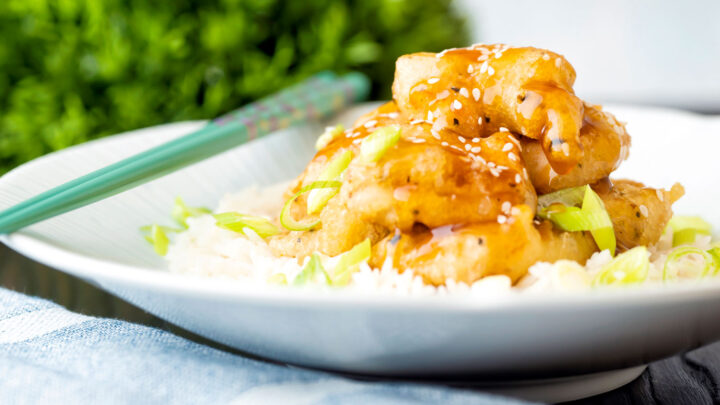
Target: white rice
x=209 y=251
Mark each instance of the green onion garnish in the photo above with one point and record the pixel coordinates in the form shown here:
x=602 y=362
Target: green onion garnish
x=313 y=271
x=375 y=145
x=181 y=212
x=286 y=219
x=237 y=222
x=327 y=136
x=567 y=196
x=683 y=251
x=715 y=253
x=686 y=228
x=318 y=198
x=626 y=268
x=349 y=262
x=559 y=208
x=157 y=237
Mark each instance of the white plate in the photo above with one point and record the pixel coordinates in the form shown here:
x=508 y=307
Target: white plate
x=526 y=337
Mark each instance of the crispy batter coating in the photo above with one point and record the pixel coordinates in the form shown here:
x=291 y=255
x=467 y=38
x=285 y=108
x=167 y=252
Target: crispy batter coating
x=485 y=88
x=606 y=144
x=468 y=253
x=421 y=180
x=639 y=214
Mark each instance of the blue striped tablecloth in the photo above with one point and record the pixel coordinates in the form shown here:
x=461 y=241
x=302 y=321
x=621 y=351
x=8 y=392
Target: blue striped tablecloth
x=51 y=355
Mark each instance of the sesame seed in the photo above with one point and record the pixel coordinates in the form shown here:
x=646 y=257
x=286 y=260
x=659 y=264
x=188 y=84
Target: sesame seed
x=484 y=67
x=456 y=148
x=444 y=143
x=415 y=122
x=442 y=95
x=476 y=140
x=501 y=219
x=498 y=55
x=565 y=149
x=464 y=92
x=491 y=71
x=506 y=206
x=435 y=134
x=644 y=211
x=393 y=115
x=456 y=105
x=480 y=121
x=503 y=129
x=512 y=156
x=558 y=62
x=470 y=68
x=482 y=58
x=468 y=146
x=476 y=94
x=508 y=146
x=462 y=139
x=517 y=178
x=546 y=57
x=430 y=116
x=491 y=164
x=475 y=149
x=370 y=124
x=433 y=80
x=660 y=195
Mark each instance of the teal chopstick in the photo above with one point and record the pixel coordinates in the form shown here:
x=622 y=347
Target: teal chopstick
x=317 y=97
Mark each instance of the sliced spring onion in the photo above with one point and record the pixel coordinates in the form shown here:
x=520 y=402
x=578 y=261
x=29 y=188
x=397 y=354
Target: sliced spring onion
x=157 y=237
x=237 y=222
x=312 y=272
x=277 y=278
x=327 y=136
x=567 y=196
x=686 y=228
x=349 y=262
x=375 y=145
x=181 y=212
x=334 y=169
x=681 y=252
x=559 y=207
x=626 y=268
x=286 y=219
x=715 y=253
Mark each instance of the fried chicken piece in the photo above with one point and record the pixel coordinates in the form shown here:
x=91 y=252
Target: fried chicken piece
x=483 y=89
x=606 y=144
x=639 y=214
x=468 y=253
x=427 y=178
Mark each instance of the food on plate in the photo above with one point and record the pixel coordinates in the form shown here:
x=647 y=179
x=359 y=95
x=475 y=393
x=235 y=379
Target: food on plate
x=484 y=172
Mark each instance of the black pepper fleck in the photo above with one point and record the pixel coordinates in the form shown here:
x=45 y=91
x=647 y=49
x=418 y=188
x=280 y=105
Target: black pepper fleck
x=455 y=89
x=487 y=119
x=480 y=241
x=455 y=121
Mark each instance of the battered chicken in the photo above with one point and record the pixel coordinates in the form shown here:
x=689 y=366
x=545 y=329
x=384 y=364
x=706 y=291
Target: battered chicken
x=482 y=129
x=639 y=214
x=606 y=144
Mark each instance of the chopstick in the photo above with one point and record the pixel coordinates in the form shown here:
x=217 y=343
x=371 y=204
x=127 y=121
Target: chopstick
x=318 y=97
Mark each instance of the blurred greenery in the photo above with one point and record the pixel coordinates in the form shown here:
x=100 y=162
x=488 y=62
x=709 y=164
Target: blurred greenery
x=73 y=70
